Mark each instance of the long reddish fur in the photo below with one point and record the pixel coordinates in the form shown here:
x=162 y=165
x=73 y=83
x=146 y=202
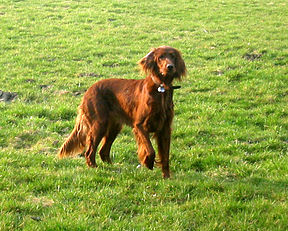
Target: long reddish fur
x=110 y=103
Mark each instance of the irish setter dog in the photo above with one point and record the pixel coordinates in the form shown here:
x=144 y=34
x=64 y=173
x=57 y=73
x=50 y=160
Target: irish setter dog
x=146 y=105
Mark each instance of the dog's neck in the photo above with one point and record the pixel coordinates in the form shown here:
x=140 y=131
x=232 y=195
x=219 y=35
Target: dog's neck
x=156 y=80
x=161 y=86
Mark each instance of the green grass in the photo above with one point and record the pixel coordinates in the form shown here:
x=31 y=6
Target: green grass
x=230 y=134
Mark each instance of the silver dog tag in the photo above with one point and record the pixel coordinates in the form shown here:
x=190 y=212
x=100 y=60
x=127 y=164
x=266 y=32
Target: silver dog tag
x=161 y=88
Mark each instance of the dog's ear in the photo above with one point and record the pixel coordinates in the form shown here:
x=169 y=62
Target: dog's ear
x=180 y=66
x=148 y=64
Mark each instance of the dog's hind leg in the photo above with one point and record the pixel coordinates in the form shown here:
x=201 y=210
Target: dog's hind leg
x=97 y=132
x=108 y=139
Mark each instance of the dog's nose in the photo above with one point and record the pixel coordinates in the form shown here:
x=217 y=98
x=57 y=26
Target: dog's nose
x=170 y=66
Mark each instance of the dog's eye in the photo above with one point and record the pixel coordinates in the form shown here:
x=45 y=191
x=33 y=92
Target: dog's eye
x=161 y=57
x=172 y=55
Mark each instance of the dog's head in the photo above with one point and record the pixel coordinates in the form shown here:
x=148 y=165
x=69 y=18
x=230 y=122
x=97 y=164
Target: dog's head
x=164 y=63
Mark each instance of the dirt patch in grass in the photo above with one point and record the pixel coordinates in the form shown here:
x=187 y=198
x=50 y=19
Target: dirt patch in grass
x=252 y=56
x=7 y=96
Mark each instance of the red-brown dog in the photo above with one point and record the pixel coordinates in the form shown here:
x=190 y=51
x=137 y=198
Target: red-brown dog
x=146 y=105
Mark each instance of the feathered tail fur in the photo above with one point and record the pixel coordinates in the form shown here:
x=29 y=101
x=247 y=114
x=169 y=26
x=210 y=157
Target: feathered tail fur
x=76 y=142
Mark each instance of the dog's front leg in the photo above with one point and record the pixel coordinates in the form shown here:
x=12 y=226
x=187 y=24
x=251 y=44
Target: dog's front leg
x=146 y=153
x=163 y=139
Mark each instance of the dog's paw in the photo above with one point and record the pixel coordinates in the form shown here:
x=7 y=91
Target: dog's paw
x=91 y=165
x=149 y=161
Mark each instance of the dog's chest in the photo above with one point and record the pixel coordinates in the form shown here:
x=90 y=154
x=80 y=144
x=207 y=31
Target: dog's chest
x=161 y=109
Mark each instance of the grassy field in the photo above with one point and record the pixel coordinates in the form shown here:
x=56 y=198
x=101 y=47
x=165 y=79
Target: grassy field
x=229 y=147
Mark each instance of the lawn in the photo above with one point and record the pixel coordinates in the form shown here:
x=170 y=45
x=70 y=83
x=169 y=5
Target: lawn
x=229 y=148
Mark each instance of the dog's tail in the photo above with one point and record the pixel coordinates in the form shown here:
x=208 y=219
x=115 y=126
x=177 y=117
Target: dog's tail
x=76 y=142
